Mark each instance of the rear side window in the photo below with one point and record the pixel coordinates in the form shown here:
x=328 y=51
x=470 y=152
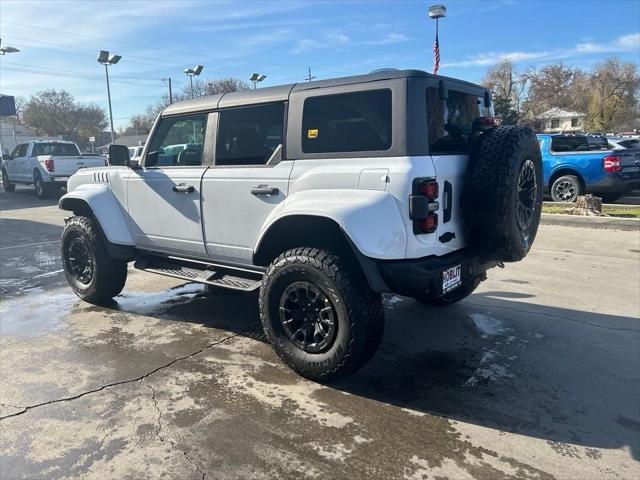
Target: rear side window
x=347 y=122
x=450 y=121
x=249 y=135
x=570 y=144
x=55 y=149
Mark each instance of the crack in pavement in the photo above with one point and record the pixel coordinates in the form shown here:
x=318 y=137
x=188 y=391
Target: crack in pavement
x=551 y=315
x=122 y=382
x=189 y=458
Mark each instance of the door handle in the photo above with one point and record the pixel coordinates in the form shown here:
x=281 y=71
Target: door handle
x=264 y=190
x=182 y=188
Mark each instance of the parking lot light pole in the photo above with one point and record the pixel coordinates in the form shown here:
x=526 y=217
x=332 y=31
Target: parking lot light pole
x=105 y=59
x=256 y=78
x=437 y=12
x=191 y=72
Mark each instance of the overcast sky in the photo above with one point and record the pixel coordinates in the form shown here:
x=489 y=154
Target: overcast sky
x=59 y=41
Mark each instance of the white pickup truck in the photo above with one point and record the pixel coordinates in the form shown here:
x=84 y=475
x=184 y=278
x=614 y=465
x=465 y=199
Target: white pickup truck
x=46 y=164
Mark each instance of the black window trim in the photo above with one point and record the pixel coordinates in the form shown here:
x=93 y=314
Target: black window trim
x=398 y=88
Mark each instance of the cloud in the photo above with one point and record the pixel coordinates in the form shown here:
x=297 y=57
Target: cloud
x=624 y=43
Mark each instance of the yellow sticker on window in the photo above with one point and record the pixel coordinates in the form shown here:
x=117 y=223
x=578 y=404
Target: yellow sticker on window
x=312 y=133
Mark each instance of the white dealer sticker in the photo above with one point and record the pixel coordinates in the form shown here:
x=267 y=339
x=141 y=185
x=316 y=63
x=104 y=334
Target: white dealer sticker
x=451 y=278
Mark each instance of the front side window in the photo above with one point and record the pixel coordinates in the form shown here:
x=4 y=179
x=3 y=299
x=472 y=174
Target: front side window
x=348 y=122
x=450 y=121
x=178 y=142
x=55 y=149
x=249 y=135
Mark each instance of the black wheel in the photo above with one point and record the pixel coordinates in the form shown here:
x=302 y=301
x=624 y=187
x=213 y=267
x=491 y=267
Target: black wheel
x=610 y=197
x=566 y=188
x=319 y=314
x=455 y=296
x=42 y=189
x=91 y=273
x=503 y=193
x=6 y=184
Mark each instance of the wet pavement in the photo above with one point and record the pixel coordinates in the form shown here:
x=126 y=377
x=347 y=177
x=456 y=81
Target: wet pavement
x=535 y=376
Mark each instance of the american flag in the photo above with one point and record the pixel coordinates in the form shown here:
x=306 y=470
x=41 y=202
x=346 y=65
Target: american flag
x=436 y=53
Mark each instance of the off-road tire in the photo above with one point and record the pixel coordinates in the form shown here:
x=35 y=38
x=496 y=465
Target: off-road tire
x=491 y=197
x=574 y=183
x=41 y=187
x=109 y=274
x=6 y=184
x=450 y=298
x=359 y=313
x=610 y=197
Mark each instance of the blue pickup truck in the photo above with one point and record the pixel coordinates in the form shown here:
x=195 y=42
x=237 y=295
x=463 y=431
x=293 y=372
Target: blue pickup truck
x=577 y=164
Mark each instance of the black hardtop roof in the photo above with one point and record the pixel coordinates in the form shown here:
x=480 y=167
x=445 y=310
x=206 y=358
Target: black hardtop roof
x=281 y=92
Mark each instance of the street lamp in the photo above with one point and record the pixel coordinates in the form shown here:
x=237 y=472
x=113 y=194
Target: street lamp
x=105 y=59
x=437 y=12
x=5 y=50
x=191 y=72
x=255 y=78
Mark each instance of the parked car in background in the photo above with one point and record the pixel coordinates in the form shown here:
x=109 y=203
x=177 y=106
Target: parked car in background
x=622 y=143
x=46 y=164
x=136 y=152
x=577 y=164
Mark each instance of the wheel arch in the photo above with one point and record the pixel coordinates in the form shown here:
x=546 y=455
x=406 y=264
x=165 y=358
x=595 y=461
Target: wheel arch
x=566 y=171
x=305 y=230
x=98 y=202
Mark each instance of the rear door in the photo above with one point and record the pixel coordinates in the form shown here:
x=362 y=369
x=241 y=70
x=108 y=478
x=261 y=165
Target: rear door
x=450 y=115
x=247 y=181
x=164 y=195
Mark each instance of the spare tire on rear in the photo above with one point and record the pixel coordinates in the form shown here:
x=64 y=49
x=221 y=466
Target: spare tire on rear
x=503 y=193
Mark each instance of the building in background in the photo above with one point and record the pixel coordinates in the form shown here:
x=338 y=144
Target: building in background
x=557 y=120
x=11 y=135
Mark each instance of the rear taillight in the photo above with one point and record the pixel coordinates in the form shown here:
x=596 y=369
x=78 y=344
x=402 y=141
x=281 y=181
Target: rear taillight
x=429 y=224
x=423 y=205
x=50 y=165
x=429 y=189
x=611 y=164
x=489 y=121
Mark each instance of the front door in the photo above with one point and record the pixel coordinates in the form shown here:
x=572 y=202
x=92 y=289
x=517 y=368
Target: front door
x=247 y=182
x=164 y=194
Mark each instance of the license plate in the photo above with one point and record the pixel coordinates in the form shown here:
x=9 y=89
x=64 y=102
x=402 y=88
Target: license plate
x=451 y=278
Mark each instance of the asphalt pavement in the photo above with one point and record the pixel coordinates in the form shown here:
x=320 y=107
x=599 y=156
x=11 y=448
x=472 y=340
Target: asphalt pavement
x=535 y=376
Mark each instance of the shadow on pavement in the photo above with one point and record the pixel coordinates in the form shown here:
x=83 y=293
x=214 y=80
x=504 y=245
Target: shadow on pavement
x=574 y=384
x=25 y=197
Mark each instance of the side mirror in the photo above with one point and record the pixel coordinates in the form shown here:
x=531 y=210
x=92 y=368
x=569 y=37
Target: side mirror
x=119 y=155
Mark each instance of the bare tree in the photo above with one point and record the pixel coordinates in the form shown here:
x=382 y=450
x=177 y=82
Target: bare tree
x=613 y=96
x=53 y=112
x=508 y=87
x=202 y=88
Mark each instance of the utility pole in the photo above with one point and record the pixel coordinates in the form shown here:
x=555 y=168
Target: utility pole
x=309 y=77
x=168 y=79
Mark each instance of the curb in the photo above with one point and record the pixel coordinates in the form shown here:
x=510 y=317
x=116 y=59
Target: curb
x=603 y=223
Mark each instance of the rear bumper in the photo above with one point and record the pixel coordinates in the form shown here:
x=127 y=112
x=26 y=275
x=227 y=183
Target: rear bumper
x=416 y=277
x=615 y=183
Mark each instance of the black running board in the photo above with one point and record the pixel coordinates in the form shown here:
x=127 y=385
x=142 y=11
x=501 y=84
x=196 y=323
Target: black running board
x=225 y=277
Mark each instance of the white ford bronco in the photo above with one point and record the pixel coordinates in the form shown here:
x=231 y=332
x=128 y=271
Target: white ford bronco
x=322 y=195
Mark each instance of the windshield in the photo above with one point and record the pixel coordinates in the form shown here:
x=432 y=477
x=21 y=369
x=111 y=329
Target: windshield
x=55 y=149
